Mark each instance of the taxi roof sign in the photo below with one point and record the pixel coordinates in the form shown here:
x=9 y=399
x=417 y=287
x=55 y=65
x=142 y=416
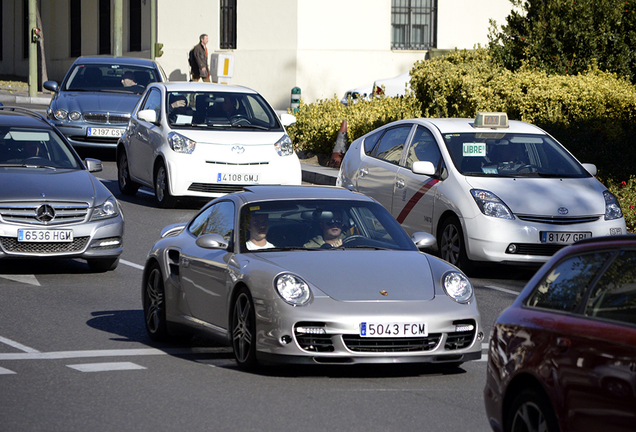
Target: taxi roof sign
x=492 y=120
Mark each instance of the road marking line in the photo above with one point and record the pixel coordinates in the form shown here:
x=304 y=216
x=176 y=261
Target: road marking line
x=131 y=264
x=105 y=367
x=56 y=355
x=27 y=279
x=17 y=345
x=4 y=371
x=514 y=293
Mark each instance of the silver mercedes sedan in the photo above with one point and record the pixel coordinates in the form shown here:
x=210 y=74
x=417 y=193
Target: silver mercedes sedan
x=309 y=275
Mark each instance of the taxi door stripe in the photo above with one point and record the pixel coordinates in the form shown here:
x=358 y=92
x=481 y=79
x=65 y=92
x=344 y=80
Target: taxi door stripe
x=415 y=199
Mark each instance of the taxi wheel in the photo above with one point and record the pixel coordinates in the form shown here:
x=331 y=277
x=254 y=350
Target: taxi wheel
x=162 y=188
x=451 y=244
x=244 y=330
x=531 y=412
x=154 y=303
x=126 y=185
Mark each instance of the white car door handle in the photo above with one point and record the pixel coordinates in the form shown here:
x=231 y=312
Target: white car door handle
x=363 y=172
x=399 y=184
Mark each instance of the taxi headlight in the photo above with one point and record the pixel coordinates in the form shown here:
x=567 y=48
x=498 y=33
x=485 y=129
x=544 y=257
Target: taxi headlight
x=612 y=207
x=458 y=287
x=292 y=289
x=490 y=204
x=181 y=144
x=284 y=146
x=60 y=114
x=107 y=209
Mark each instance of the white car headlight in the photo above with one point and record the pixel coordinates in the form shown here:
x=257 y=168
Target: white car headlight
x=612 y=207
x=284 y=146
x=292 y=289
x=107 y=209
x=490 y=204
x=181 y=144
x=458 y=287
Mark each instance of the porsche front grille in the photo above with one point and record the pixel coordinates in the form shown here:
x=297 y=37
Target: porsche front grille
x=365 y=344
x=11 y=245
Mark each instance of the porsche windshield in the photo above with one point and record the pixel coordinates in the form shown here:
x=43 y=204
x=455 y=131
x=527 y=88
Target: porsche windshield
x=319 y=225
x=511 y=155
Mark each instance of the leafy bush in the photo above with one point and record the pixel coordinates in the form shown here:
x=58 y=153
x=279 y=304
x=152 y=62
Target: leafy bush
x=317 y=124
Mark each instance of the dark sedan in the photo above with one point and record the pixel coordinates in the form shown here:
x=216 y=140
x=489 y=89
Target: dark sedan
x=563 y=356
x=92 y=106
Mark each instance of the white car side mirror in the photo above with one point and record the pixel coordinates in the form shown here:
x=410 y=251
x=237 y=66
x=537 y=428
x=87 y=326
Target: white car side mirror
x=423 y=167
x=287 y=119
x=591 y=168
x=147 y=115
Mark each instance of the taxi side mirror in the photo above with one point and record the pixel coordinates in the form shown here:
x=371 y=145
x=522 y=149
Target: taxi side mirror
x=423 y=167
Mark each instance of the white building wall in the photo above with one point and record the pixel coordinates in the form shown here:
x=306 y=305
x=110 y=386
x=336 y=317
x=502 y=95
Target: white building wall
x=325 y=47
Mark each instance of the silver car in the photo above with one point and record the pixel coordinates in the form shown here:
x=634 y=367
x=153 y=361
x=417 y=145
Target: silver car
x=92 y=105
x=50 y=203
x=487 y=188
x=313 y=275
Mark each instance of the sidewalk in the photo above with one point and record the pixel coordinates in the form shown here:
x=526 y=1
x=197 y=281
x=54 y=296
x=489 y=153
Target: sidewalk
x=315 y=174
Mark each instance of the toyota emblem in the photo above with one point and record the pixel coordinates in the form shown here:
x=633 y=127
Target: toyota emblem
x=238 y=149
x=45 y=213
x=563 y=211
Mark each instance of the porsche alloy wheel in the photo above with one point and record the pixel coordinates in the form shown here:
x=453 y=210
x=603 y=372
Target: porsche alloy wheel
x=244 y=330
x=155 y=305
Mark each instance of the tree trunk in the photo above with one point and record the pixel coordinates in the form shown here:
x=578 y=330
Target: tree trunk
x=42 y=73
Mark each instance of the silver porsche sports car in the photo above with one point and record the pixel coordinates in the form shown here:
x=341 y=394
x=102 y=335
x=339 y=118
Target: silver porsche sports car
x=313 y=275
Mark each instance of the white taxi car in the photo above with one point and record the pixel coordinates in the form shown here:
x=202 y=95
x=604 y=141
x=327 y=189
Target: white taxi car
x=489 y=189
x=204 y=140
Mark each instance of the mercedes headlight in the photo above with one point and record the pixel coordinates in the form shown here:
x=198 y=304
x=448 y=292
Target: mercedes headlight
x=490 y=204
x=612 y=207
x=181 y=144
x=458 y=287
x=292 y=289
x=284 y=146
x=107 y=209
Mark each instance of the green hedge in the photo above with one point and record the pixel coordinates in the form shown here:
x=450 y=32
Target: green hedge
x=317 y=124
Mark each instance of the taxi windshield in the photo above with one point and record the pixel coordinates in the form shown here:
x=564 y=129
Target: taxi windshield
x=511 y=155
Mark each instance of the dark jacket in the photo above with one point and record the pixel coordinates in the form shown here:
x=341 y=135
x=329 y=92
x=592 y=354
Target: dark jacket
x=201 y=61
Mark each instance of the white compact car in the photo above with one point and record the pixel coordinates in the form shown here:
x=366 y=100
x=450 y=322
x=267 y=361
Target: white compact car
x=204 y=140
x=488 y=189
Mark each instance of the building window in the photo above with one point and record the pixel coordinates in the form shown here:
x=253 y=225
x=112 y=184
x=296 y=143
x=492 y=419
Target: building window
x=104 y=27
x=228 y=24
x=76 y=28
x=134 y=27
x=413 y=24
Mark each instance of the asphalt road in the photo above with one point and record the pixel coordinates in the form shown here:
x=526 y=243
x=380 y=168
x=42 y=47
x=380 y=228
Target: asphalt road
x=74 y=356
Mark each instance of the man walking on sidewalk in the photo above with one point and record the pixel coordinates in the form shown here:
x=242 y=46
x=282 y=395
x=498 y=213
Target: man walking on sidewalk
x=199 y=60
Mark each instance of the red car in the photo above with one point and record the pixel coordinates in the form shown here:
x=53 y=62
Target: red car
x=563 y=356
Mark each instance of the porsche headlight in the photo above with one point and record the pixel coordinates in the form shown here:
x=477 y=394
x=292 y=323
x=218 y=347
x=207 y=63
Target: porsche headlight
x=107 y=209
x=458 y=287
x=490 y=204
x=292 y=289
x=612 y=207
x=284 y=146
x=181 y=144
